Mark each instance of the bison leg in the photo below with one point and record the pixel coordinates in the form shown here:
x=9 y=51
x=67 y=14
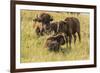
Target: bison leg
x=67 y=44
x=41 y=31
x=70 y=40
x=74 y=38
x=66 y=40
x=37 y=31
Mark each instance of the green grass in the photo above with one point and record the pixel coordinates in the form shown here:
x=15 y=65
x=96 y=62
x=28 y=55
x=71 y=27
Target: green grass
x=32 y=48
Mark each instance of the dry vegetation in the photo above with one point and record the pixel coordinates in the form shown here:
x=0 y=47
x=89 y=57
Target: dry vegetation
x=32 y=47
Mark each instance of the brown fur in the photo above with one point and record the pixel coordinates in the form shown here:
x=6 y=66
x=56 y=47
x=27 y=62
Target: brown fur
x=54 y=42
x=70 y=26
x=44 y=19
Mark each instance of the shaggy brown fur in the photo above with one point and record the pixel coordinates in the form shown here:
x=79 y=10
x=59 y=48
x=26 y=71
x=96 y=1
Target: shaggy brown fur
x=54 y=42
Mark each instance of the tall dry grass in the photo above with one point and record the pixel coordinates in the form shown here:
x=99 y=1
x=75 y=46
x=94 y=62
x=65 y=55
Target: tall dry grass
x=32 y=49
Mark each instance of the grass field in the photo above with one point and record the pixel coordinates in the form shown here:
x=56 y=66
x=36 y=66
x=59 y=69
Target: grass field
x=32 y=48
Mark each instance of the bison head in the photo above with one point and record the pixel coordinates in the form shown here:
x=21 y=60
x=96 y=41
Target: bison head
x=61 y=24
x=44 y=18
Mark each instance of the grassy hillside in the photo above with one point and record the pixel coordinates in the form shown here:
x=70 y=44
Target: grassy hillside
x=32 y=47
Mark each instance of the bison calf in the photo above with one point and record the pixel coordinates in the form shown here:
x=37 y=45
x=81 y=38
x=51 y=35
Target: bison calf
x=53 y=43
x=54 y=46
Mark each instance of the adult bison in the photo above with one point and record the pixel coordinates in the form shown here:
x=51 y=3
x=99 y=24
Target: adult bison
x=74 y=25
x=70 y=26
x=44 y=19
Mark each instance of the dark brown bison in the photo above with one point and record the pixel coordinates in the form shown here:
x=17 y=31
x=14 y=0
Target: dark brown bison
x=74 y=24
x=70 y=26
x=54 y=42
x=44 y=19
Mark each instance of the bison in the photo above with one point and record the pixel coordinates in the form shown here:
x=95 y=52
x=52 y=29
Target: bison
x=70 y=26
x=54 y=42
x=74 y=25
x=44 y=19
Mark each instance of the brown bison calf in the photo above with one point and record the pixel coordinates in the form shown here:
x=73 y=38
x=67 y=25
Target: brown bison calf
x=53 y=43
